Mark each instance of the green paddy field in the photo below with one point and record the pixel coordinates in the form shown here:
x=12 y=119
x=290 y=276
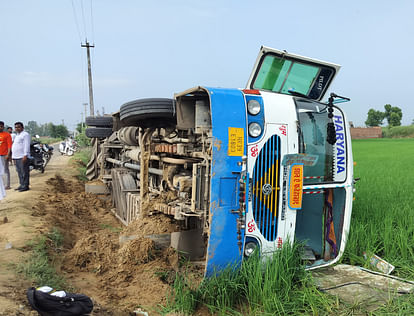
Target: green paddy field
x=383 y=210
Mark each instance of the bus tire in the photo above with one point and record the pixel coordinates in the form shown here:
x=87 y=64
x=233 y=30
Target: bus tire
x=154 y=112
x=99 y=121
x=98 y=132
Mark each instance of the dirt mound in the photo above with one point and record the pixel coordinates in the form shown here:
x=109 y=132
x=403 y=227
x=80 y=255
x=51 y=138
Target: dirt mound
x=119 y=267
x=58 y=184
x=155 y=224
x=100 y=252
x=136 y=251
x=92 y=253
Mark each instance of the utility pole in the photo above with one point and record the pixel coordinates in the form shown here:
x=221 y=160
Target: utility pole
x=89 y=76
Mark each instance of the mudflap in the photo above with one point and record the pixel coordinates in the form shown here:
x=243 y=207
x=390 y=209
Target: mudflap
x=228 y=113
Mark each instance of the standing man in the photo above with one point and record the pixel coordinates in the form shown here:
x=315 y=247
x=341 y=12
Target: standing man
x=10 y=131
x=20 y=155
x=2 y=191
x=13 y=135
x=5 y=150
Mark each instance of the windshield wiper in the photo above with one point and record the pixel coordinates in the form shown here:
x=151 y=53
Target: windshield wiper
x=298 y=94
x=339 y=99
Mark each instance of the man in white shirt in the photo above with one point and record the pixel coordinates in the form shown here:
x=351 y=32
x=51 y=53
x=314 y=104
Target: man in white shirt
x=20 y=155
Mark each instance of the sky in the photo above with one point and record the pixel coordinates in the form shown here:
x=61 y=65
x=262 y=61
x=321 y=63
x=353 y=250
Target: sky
x=156 y=48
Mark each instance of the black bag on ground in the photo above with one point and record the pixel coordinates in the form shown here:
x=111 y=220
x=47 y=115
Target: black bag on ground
x=49 y=305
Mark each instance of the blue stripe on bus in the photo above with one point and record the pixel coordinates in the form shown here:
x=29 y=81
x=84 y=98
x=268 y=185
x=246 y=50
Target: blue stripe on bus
x=227 y=110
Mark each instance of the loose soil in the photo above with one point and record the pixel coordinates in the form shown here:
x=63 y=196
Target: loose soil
x=97 y=257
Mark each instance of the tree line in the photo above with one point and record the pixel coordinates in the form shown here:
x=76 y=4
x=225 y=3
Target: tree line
x=393 y=115
x=47 y=129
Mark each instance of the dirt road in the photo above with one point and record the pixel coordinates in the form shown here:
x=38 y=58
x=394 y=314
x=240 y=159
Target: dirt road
x=17 y=227
x=119 y=276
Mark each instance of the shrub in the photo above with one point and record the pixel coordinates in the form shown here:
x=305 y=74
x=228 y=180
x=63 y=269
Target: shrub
x=398 y=131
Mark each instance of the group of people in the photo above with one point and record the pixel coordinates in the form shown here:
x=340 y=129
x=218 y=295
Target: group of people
x=14 y=146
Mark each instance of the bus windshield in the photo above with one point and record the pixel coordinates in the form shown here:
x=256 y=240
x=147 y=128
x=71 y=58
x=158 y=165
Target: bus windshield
x=313 y=121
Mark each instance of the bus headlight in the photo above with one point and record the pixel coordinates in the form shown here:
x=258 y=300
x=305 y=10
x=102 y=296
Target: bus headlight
x=249 y=248
x=255 y=129
x=253 y=107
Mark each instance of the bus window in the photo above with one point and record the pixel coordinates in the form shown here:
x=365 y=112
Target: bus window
x=279 y=74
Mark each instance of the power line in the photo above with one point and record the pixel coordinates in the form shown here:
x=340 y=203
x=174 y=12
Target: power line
x=76 y=21
x=93 y=36
x=83 y=18
x=92 y=29
x=87 y=46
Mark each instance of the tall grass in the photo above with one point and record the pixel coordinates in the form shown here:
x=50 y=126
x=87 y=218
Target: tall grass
x=82 y=139
x=398 y=131
x=80 y=159
x=39 y=267
x=274 y=286
x=383 y=212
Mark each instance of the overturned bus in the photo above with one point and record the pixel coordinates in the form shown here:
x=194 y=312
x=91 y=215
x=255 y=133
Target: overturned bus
x=239 y=170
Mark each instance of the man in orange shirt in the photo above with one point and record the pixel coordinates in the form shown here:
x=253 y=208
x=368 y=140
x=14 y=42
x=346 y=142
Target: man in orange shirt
x=5 y=152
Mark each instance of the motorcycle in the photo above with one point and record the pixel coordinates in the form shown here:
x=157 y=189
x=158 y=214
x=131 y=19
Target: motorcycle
x=47 y=151
x=36 y=159
x=68 y=147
